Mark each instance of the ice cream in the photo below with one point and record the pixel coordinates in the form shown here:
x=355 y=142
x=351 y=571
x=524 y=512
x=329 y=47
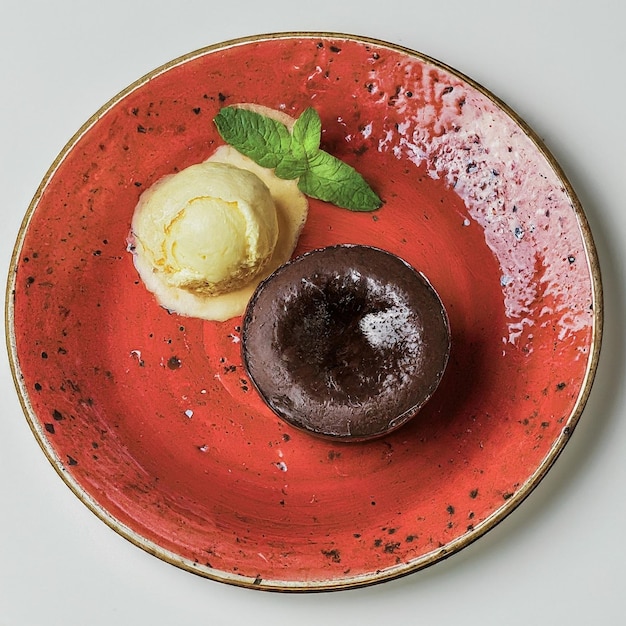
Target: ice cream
x=204 y=237
x=208 y=229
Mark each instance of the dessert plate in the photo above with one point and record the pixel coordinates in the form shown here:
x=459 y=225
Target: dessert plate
x=149 y=417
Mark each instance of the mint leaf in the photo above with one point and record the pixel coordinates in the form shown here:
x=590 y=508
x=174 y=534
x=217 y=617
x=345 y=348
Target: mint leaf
x=291 y=167
x=307 y=133
x=258 y=137
x=330 y=179
x=296 y=154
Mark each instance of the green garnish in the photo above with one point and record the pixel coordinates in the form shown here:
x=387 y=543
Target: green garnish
x=297 y=154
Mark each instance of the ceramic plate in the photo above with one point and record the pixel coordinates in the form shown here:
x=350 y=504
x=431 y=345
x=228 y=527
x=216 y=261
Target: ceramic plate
x=149 y=417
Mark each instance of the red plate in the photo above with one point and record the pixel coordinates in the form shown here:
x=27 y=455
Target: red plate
x=149 y=417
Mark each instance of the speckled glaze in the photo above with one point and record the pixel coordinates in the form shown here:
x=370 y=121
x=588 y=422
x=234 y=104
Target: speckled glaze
x=148 y=416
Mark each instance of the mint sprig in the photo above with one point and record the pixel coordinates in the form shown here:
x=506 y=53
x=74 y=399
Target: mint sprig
x=296 y=155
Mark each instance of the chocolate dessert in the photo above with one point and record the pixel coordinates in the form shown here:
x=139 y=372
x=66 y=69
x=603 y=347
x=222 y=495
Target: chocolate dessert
x=347 y=342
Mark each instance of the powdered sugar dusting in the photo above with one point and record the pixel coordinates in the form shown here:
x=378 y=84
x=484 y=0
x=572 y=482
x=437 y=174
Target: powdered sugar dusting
x=393 y=326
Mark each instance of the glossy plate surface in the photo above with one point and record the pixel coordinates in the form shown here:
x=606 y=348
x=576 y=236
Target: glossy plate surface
x=148 y=416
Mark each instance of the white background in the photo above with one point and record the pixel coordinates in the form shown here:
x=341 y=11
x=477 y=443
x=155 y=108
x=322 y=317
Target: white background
x=559 y=558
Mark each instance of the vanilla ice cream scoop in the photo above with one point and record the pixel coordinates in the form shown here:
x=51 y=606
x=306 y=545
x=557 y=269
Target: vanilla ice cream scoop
x=208 y=229
x=203 y=238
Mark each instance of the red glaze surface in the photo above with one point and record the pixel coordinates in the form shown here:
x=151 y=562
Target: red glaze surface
x=148 y=416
